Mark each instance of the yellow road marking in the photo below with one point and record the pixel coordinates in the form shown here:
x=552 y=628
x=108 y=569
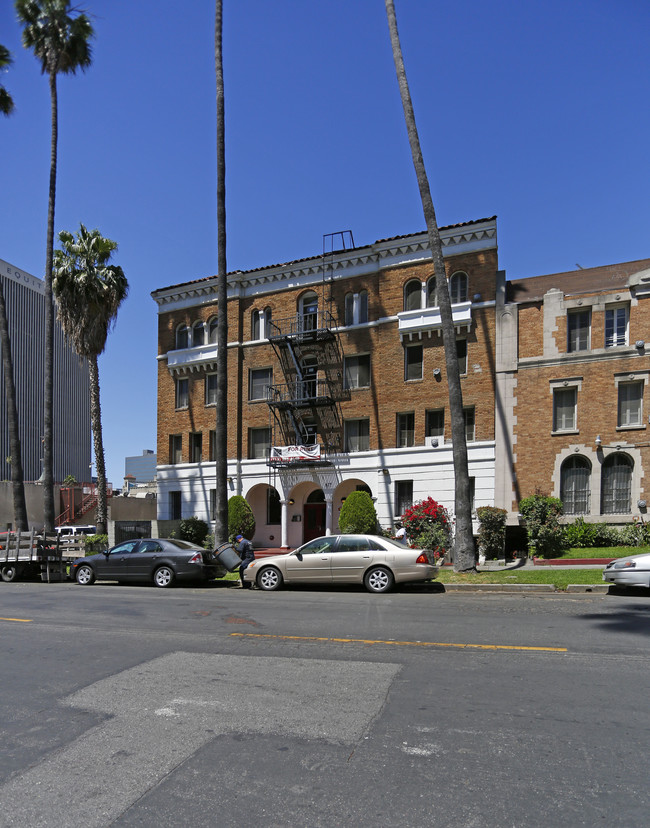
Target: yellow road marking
x=22 y=620
x=403 y=643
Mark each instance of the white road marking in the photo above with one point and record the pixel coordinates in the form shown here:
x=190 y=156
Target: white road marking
x=164 y=710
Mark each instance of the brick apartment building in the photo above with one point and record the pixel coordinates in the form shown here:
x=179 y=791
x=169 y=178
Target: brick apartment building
x=336 y=382
x=573 y=363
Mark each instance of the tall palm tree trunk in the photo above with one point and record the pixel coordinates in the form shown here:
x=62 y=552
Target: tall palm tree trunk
x=48 y=413
x=98 y=442
x=464 y=547
x=221 y=440
x=17 y=484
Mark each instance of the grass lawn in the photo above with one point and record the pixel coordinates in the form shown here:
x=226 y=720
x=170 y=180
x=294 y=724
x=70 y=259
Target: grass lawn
x=607 y=552
x=560 y=578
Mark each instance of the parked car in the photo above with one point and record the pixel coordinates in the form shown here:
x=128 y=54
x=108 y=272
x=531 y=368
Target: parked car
x=161 y=561
x=376 y=562
x=70 y=534
x=633 y=571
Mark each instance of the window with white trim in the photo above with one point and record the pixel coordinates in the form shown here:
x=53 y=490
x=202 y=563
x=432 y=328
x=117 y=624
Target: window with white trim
x=616 y=325
x=578 y=323
x=210 y=389
x=182 y=337
x=356 y=435
x=182 y=392
x=406 y=429
x=259 y=381
x=458 y=287
x=413 y=357
x=356 y=371
x=616 y=485
x=175 y=449
x=413 y=295
x=403 y=496
x=565 y=409
x=575 y=485
x=196 y=446
x=630 y=404
x=356 y=308
x=259 y=443
x=434 y=424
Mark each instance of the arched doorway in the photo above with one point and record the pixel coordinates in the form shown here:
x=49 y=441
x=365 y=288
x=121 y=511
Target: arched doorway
x=314 y=516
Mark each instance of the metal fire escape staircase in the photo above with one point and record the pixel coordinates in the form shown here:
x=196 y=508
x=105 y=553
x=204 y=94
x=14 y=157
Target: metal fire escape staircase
x=305 y=406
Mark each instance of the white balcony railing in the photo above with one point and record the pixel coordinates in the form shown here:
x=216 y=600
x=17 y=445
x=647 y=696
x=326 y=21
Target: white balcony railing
x=424 y=320
x=189 y=359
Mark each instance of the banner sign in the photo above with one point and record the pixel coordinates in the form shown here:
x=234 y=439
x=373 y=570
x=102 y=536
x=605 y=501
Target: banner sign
x=286 y=454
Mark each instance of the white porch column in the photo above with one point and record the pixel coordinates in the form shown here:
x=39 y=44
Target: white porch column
x=328 y=513
x=284 y=543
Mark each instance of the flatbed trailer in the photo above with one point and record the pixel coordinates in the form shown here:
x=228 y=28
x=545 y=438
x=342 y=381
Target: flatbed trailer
x=33 y=555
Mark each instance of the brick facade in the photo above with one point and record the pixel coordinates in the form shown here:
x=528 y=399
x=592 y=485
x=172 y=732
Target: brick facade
x=518 y=364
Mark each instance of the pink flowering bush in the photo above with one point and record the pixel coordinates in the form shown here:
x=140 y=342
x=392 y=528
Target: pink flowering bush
x=428 y=526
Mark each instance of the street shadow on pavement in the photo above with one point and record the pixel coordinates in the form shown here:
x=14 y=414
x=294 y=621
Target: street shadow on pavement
x=630 y=619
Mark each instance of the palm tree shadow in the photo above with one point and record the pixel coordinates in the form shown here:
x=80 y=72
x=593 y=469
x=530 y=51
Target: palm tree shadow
x=629 y=619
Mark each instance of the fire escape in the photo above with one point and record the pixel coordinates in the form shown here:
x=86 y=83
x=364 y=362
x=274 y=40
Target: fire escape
x=305 y=408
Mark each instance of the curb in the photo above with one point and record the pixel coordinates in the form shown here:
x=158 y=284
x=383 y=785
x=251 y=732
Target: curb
x=499 y=588
x=523 y=589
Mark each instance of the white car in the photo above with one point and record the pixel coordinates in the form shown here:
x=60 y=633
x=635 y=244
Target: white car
x=633 y=571
x=376 y=562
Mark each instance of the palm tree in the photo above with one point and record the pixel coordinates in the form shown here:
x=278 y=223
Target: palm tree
x=464 y=547
x=18 y=488
x=88 y=292
x=62 y=44
x=221 y=447
x=6 y=101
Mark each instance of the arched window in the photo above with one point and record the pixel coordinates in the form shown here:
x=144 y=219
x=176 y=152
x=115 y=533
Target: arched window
x=363 y=306
x=574 y=485
x=616 y=485
x=268 y=318
x=308 y=310
x=356 y=308
x=413 y=295
x=458 y=287
x=212 y=330
x=349 y=308
x=256 y=324
x=198 y=334
x=432 y=299
x=182 y=336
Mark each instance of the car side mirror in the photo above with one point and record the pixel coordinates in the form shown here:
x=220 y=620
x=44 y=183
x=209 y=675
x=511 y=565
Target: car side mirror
x=106 y=553
x=299 y=555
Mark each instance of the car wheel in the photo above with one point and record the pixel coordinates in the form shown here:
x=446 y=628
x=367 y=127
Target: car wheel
x=378 y=579
x=85 y=575
x=9 y=573
x=163 y=577
x=269 y=579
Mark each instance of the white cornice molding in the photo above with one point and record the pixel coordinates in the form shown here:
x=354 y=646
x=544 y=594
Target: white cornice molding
x=407 y=250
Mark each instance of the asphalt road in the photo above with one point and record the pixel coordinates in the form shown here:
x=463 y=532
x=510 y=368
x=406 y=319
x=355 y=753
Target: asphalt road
x=132 y=706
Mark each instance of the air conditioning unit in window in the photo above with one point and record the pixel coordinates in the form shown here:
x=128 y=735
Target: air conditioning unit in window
x=432 y=441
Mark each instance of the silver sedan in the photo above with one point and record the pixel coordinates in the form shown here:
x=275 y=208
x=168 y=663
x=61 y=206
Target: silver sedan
x=633 y=571
x=377 y=563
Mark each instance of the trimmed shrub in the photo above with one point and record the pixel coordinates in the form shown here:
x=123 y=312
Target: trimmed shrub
x=241 y=519
x=635 y=534
x=358 y=514
x=545 y=535
x=193 y=530
x=492 y=531
x=580 y=535
x=428 y=526
x=95 y=543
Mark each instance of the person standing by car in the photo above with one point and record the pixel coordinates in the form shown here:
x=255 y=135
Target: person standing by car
x=400 y=534
x=245 y=550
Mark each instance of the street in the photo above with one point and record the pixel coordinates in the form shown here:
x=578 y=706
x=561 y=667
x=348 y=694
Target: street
x=134 y=706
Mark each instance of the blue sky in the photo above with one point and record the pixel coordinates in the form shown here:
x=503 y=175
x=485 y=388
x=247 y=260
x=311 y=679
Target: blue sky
x=537 y=112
